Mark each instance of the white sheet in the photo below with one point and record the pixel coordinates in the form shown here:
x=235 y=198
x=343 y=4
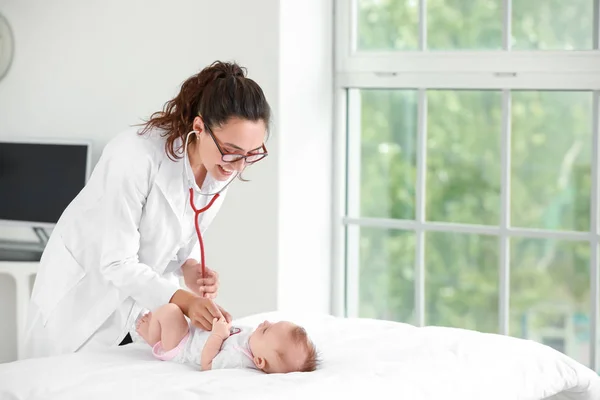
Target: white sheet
x=361 y=358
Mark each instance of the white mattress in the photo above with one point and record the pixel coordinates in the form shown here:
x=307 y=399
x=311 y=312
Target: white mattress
x=363 y=358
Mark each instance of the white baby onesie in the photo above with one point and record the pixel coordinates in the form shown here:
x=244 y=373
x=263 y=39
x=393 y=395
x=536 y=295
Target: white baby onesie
x=235 y=351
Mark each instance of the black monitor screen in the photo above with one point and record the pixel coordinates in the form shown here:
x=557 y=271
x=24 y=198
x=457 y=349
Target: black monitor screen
x=38 y=181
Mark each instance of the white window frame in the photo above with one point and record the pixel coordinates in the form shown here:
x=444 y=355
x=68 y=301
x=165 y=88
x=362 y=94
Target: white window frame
x=504 y=70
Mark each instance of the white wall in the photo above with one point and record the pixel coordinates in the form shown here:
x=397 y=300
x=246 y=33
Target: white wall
x=305 y=123
x=88 y=69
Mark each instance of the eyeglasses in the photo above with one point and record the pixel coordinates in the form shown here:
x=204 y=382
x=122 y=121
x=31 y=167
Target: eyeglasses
x=233 y=157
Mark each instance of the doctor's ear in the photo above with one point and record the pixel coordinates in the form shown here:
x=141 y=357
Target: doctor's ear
x=198 y=125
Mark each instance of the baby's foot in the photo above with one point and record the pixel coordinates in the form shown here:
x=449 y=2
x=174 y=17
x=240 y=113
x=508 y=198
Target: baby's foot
x=143 y=327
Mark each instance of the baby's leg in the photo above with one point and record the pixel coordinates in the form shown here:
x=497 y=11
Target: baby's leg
x=167 y=324
x=172 y=325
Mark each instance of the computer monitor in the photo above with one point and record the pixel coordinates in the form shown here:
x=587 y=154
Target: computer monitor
x=39 y=179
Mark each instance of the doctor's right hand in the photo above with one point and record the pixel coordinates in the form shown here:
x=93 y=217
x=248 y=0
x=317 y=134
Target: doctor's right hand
x=202 y=312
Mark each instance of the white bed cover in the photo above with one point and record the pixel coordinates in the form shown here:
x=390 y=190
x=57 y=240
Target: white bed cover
x=361 y=359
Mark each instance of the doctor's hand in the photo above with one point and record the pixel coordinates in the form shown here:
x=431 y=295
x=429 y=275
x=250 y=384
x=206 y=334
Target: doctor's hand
x=202 y=312
x=192 y=275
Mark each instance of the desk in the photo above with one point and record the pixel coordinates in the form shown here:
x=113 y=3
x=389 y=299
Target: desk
x=21 y=272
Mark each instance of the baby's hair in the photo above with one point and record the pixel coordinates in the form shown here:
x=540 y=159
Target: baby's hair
x=312 y=359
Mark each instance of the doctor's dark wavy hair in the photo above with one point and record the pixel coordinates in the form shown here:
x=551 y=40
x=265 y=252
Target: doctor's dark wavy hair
x=218 y=93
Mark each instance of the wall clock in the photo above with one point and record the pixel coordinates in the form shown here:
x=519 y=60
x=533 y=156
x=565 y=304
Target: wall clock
x=6 y=46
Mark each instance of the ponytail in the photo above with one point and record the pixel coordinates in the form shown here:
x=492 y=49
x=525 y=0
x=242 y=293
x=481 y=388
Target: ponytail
x=219 y=92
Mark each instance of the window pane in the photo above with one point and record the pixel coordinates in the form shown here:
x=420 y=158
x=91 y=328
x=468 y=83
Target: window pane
x=553 y=24
x=461 y=284
x=387 y=269
x=463 y=156
x=550 y=294
x=388 y=146
x=464 y=24
x=388 y=24
x=551 y=152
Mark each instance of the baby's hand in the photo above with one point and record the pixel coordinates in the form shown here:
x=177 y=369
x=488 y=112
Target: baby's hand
x=220 y=327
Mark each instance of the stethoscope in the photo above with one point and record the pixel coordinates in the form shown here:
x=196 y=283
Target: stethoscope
x=191 y=184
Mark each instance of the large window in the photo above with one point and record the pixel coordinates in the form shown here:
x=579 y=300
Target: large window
x=467 y=166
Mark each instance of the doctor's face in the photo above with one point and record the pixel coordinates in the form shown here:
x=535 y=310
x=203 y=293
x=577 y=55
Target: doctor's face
x=223 y=148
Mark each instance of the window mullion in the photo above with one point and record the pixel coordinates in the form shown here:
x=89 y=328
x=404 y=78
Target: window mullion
x=423 y=25
x=353 y=203
x=596 y=28
x=420 y=201
x=507 y=25
x=504 y=259
x=340 y=160
x=595 y=228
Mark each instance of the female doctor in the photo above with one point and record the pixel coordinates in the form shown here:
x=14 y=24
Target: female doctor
x=122 y=244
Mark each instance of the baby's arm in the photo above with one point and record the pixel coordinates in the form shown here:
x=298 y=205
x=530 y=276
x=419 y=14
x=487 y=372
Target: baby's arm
x=220 y=332
x=210 y=351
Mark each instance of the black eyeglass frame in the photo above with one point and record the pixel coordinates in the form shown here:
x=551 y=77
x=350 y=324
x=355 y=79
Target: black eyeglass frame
x=234 y=157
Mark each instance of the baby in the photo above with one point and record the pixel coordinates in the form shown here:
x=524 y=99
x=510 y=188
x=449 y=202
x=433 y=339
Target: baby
x=272 y=347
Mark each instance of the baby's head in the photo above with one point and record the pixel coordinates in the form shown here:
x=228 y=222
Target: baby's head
x=282 y=347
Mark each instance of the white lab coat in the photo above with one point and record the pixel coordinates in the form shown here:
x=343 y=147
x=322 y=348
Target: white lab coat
x=115 y=242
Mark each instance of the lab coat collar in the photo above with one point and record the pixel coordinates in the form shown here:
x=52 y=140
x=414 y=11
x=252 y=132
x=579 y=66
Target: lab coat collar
x=171 y=181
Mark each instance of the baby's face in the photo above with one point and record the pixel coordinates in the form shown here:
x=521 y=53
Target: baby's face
x=274 y=348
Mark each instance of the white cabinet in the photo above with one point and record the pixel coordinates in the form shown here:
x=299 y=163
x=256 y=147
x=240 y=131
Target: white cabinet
x=23 y=275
